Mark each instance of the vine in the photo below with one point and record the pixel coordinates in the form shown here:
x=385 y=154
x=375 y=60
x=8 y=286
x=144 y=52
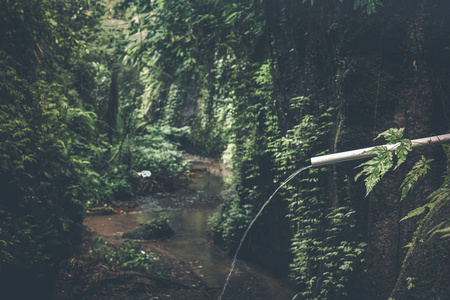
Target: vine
x=326 y=249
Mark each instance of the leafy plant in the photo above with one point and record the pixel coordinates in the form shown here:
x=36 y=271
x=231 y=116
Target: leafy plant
x=375 y=168
x=50 y=144
x=369 y=5
x=322 y=267
x=119 y=183
x=434 y=198
x=226 y=229
x=129 y=256
x=155 y=151
x=410 y=282
x=420 y=169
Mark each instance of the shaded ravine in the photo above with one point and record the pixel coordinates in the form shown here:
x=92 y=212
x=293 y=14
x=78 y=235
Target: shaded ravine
x=188 y=212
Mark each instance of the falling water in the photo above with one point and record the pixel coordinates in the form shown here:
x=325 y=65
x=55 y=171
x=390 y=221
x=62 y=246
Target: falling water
x=233 y=264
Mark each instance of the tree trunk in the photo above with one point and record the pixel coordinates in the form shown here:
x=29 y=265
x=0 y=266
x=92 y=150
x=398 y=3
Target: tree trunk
x=113 y=102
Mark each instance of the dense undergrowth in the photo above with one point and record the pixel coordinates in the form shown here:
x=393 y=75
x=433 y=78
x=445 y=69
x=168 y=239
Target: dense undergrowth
x=60 y=153
x=94 y=92
x=128 y=256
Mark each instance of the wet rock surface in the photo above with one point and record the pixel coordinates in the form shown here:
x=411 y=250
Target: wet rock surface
x=155 y=229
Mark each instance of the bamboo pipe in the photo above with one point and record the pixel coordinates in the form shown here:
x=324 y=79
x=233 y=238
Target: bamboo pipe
x=363 y=153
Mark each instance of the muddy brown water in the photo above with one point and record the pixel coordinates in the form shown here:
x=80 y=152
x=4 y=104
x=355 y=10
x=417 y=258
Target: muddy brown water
x=190 y=243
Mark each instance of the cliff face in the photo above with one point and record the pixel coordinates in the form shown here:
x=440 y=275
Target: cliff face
x=425 y=273
x=388 y=69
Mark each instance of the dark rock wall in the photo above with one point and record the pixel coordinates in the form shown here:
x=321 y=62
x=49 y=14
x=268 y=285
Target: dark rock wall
x=388 y=69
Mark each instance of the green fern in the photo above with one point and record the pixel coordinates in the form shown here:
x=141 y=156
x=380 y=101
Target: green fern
x=445 y=231
x=420 y=169
x=375 y=168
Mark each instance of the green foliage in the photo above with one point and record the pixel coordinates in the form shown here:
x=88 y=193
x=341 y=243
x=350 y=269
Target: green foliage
x=41 y=177
x=255 y=124
x=325 y=246
x=157 y=76
x=419 y=170
x=445 y=232
x=48 y=135
x=119 y=184
x=410 y=282
x=154 y=151
x=426 y=255
x=190 y=64
x=395 y=136
x=129 y=256
x=322 y=266
x=369 y=5
x=155 y=229
x=326 y=250
x=375 y=168
x=229 y=223
x=434 y=198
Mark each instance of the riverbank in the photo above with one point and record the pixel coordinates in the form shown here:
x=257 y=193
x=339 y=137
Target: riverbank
x=193 y=267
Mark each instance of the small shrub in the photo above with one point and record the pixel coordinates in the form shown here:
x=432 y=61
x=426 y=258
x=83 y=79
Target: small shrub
x=129 y=256
x=156 y=153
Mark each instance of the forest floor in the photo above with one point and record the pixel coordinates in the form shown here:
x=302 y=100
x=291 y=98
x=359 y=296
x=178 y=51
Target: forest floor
x=89 y=276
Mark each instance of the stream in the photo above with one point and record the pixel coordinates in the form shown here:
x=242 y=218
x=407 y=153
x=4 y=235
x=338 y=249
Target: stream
x=188 y=211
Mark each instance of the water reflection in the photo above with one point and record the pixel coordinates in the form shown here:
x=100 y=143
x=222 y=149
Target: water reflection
x=190 y=242
x=190 y=225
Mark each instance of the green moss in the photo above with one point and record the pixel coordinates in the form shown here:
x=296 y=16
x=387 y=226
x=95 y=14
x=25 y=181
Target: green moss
x=155 y=229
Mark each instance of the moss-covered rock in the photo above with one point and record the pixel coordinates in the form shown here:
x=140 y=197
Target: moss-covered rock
x=155 y=229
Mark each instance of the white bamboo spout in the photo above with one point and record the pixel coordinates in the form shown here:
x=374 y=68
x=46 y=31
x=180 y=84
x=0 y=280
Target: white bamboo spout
x=364 y=153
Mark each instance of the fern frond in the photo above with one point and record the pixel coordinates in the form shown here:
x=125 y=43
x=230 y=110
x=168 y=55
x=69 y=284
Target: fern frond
x=420 y=169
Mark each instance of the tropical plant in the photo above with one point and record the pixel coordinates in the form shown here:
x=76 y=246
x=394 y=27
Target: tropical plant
x=128 y=256
x=48 y=139
x=377 y=167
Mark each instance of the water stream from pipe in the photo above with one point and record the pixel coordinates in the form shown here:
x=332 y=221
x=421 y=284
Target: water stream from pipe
x=233 y=263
